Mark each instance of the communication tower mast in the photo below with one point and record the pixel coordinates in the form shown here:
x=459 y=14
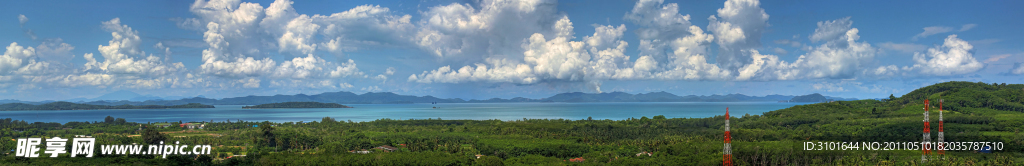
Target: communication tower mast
x=727 y=157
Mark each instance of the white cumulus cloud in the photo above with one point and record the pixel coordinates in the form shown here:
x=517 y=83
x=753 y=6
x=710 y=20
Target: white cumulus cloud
x=688 y=59
x=495 y=28
x=659 y=21
x=384 y=76
x=670 y=49
x=738 y=29
x=364 y=25
x=16 y=57
x=298 y=36
x=301 y=68
x=831 y=30
x=596 y=57
x=250 y=83
x=123 y=56
x=955 y=56
x=840 y=57
x=345 y=70
x=240 y=34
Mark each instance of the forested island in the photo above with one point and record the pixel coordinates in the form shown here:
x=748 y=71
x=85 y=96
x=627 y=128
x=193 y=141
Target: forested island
x=60 y=105
x=299 y=105
x=973 y=112
x=810 y=98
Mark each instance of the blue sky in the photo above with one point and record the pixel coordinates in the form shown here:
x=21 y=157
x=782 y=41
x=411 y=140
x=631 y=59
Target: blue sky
x=480 y=49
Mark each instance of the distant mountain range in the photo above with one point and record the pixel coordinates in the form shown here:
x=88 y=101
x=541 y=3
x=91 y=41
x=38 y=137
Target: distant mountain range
x=124 y=95
x=392 y=98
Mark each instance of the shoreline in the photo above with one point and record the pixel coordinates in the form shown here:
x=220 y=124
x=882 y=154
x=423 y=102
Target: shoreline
x=371 y=112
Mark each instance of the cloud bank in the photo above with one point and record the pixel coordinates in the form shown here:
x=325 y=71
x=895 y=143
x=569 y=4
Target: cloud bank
x=247 y=45
x=671 y=48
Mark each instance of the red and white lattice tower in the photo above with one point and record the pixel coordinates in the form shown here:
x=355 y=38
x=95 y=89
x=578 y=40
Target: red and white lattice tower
x=925 y=150
x=727 y=157
x=941 y=141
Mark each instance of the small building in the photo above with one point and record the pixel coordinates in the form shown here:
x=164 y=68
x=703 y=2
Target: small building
x=479 y=155
x=196 y=126
x=235 y=156
x=578 y=159
x=162 y=125
x=364 y=151
x=387 y=148
x=643 y=153
x=192 y=125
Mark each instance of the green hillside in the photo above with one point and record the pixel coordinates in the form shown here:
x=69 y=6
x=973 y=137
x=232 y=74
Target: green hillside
x=963 y=96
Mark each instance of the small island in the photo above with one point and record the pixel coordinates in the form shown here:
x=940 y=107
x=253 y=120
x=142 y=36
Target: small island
x=61 y=105
x=816 y=98
x=299 y=105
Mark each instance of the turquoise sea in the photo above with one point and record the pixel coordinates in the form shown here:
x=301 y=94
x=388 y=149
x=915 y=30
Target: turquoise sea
x=370 y=112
